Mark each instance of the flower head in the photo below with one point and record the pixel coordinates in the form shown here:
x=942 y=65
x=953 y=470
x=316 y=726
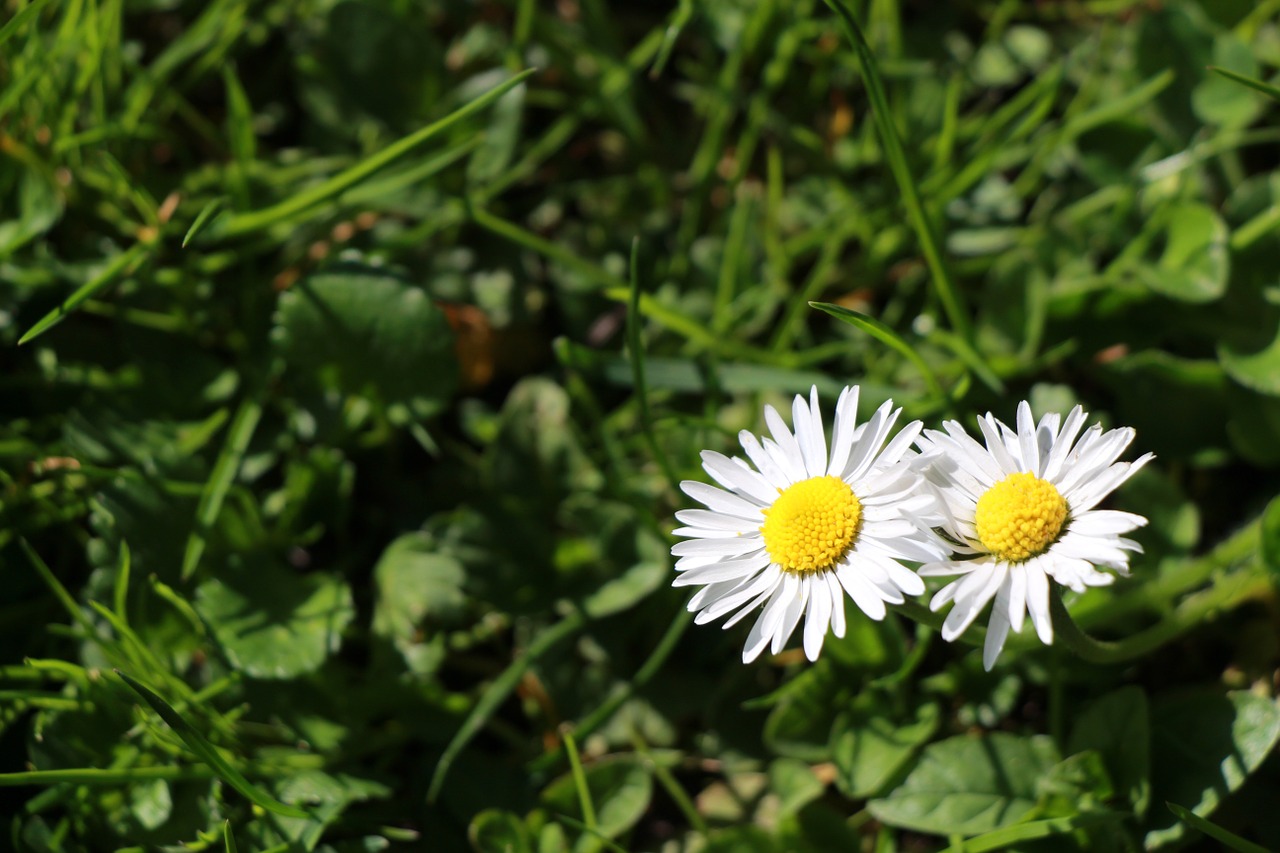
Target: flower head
x=805 y=526
x=1023 y=507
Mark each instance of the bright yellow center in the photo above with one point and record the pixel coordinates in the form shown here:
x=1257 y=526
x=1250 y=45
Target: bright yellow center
x=812 y=524
x=1020 y=516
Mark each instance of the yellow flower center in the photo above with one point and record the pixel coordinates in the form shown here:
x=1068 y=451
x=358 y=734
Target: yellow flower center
x=812 y=524
x=1020 y=516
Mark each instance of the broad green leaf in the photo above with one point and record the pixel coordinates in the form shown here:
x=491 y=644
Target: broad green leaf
x=628 y=589
x=1221 y=100
x=150 y=802
x=795 y=784
x=415 y=583
x=1257 y=370
x=40 y=206
x=620 y=790
x=1195 y=264
x=370 y=332
x=1264 y=88
x=498 y=831
x=209 y=754
x=500 y=141
x=273 y=622
x=1204 y=744
x=1271 y=536
x=968 y=785
x=1117 y=727
x=870 y=748
x=328 y=795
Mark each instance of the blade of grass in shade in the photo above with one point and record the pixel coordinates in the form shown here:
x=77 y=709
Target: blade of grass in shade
x=122 y=264
x=16 y=22
x=1001 y=839
x=679 y=19
x=636 y=347
x=122 y=581
x=228 y=840
x=240 y=224
x=215 y=490
x=970 y=357
x=580 y=781
x=889 y=338
x=582 y=827
x=59 y=591
x=99 y=776
x=1217 y=833
x=497 y=692
x=206 y=215
x=49 y=701
x=647 y=671
x=209 y=754
x=897 y=160
x=1265 y=88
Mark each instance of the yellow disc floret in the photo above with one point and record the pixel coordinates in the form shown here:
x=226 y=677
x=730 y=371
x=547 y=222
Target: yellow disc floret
x=812 y=524
x=1020 y=516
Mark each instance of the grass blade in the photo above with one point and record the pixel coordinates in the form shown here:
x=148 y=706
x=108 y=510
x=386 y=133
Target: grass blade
x=203 y=219
x=889 y=338
x=636 y=347
x=122 y=264
x=1266 y=89
x=16 y=22
x=897 y=160
x=228 y=840
x=497 y=692
x=580 y=781
x=209 y=754
x=246 y=223
x=215 y=490
x=1217 y=833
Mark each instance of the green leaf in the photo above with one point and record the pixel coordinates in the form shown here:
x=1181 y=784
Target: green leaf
x=1219 y=99
x=498 y=831
x=203 y=218
x=209 y=754
x=886 y=336
x=1217 y=833
x=872 y=747
x=1116 y=726
x=620 y=790
x=1195 y=264
x=274 y=623
x=416 y=582
x=1204 y=745
x=969 y=785
x=628 y=589
x=1271 y=536
x=1257 y=370
x=371 y=332
x=795 y=784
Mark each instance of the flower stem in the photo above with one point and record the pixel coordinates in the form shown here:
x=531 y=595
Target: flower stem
x=1224 y=594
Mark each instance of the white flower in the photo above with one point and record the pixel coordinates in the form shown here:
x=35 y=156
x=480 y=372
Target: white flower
x=1024 y=505
x=803 y=527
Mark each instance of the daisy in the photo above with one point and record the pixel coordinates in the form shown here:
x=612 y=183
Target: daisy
x=1024 y=507
x=804 y=526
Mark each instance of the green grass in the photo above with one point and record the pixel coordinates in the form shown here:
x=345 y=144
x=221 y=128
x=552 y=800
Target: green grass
x=356 y=351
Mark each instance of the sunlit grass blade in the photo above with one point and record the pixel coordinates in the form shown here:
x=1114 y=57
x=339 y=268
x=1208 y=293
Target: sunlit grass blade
x=889 y=338
x=580 y=780
x=228 y=840
x=1217 y=833
x=215 y=490
x=203 y=218
x=582 y=827
x=241 y=224
x=102 y=776
x=679 y=19
x=497 y=692
x=121 y=265
x=16 y=22
x=897 y=159
x=209 y=754
x=1265 y=88
x=1001 y=839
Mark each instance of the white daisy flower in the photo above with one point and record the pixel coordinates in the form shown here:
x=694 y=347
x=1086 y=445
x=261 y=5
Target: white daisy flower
x=1024 y=506
x=804 y=526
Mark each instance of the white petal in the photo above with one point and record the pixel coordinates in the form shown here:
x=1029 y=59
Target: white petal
x=722 y=571
x=1062 y=444
x=791 y=616
x=996 y=447
x=1027 y=444
x=870 y=442
x=731 y=547
x=775 y=474
x=1017 y=596
x=738 y=477
x=842 y=434
x=791 y=460
x=1038 y=603
x=807 y=419
x=973 y=593
x=1103 y=522
x=714 y=521
x=722 y=501
x=997 y=628
x=836 y=594
x=861 y=591
x=762 y=631
x=817 y=621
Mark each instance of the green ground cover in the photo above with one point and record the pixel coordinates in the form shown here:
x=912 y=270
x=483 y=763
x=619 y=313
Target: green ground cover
x=353 y=353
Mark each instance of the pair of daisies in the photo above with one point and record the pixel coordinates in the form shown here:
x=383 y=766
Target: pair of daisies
x=809 y=524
